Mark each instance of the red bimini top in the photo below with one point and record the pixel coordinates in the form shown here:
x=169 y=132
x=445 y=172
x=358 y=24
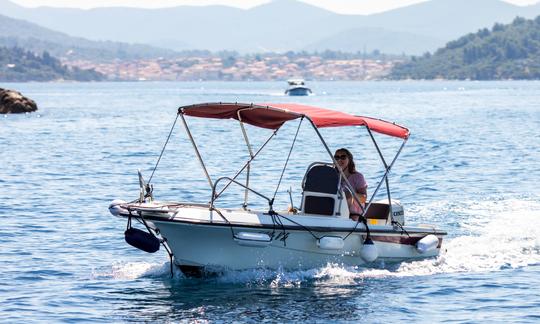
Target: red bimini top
x=272 y=116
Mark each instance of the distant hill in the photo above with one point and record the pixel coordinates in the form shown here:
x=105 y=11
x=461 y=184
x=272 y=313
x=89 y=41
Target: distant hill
x=18 y=65
x=19 y=33
x=279 y=26
x=504 y=52
x=369 y=39
x=449 y=19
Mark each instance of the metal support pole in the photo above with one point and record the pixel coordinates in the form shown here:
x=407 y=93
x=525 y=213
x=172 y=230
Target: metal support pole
x=348 y=184
x=197 y=151
x=385 y=175
x=250 y=155
x=241 y=185
x=385 y=167
x=245 y=165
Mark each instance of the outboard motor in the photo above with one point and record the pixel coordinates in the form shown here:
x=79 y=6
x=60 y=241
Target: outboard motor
x=397 y=212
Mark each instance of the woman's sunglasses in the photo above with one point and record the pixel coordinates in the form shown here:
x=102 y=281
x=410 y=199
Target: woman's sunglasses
x=340 y=157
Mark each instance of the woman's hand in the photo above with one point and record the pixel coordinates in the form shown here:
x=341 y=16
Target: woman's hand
x=361 y=197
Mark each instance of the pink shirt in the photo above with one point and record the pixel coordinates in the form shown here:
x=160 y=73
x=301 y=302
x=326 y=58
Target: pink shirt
x=359 y=185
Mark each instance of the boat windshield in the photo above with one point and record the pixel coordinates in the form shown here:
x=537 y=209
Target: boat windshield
x=296 y=82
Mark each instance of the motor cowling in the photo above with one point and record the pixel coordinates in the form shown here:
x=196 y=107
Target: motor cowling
x=397 y=212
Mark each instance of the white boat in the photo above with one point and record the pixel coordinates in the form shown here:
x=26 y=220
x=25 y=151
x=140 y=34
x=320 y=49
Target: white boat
x=297 y=87
x=203 y=237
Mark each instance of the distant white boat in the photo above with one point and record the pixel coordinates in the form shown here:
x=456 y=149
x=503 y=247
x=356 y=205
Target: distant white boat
x=297 y=87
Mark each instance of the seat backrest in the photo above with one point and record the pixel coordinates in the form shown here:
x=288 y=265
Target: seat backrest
x=321 y=185
x=322 y=178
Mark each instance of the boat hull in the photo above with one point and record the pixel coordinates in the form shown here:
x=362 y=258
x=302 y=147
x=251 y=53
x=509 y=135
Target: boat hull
x=219 y=240
x=214 y=246
x=298 y=91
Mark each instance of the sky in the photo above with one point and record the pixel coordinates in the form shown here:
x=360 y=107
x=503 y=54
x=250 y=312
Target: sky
x=339 y=6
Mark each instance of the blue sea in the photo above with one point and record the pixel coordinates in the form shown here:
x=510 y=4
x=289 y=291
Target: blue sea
x=470 y=167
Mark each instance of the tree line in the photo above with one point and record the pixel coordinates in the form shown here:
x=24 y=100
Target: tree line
x=19 y=65
x=509 y=51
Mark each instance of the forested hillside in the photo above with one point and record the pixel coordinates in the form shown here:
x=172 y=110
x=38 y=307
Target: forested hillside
x=505 y=52
x=19 y=65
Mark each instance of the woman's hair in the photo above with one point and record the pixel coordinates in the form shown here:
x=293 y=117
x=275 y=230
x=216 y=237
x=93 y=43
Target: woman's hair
x=351 y=167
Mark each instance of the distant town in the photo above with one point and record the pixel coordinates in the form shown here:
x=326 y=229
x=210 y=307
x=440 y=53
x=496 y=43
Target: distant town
x=241 y=68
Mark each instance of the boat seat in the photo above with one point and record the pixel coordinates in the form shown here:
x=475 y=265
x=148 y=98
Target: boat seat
x=321 y=190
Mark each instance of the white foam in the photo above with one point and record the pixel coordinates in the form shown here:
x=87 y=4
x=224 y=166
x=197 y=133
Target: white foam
x=331 y=273
x=503 y=234
x=134 y=270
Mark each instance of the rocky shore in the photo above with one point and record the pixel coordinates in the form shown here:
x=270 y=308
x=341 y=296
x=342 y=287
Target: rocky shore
x=13 y=102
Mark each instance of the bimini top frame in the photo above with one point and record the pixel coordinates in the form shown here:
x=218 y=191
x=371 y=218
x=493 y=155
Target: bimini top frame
x=273 y=116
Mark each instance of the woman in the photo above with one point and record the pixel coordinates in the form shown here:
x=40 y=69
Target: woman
x=345 y=161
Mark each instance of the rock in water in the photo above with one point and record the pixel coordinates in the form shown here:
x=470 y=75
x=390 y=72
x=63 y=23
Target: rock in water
x=13 y=102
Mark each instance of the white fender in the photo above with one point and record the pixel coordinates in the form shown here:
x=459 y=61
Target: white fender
x=115 y=208
x=369 y=252
x=252 y=239
x=427 y=243
x=330 y=243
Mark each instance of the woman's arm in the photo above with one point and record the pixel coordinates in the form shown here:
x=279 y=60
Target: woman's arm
x=360 y=186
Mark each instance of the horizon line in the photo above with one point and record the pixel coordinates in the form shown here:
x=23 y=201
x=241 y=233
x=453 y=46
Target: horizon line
x=332 y=6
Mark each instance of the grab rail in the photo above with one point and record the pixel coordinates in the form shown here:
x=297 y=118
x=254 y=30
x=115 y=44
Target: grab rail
x=214 y=197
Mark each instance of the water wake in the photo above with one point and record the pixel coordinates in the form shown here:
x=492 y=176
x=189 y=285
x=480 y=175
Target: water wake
x=502 y=234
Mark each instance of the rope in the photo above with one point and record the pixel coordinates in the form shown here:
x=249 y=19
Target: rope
x=302 y=226
x=360 y=219
x=277 y=221
x=128 y=225
x=398 y=224
x=163 y=149
x=226 y=220
x=288 y=157
x=162 y=241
